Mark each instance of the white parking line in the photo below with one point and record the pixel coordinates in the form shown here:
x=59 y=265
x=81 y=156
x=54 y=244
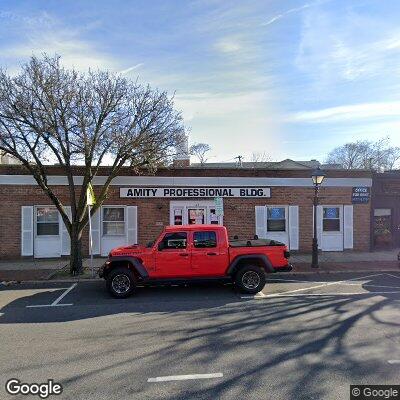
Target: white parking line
x=56 y=302
x=327 y=294
x=185 y=377
x=393 y=276
x=394 y=362
x=324 y=284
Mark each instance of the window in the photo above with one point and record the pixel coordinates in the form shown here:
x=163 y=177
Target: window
x=178 y=214
x=47 y=221
x=196 y=216
x=113 y=221
x=176 y=240
x=213 y=217
x=204 y=239
x=276 y=219
x=331 y=219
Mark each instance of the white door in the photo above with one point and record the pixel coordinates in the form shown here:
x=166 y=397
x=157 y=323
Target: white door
x=47 y=242
x=193 y=212
x=113 y=228
x=331 y=228
x=277 y=224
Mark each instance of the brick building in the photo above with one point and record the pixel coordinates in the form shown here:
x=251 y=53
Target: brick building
x=273 y=201
x=385 y=220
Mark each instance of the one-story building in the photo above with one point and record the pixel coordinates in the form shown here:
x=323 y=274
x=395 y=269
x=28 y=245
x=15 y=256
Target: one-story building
x=385 y=218
x=271 y=200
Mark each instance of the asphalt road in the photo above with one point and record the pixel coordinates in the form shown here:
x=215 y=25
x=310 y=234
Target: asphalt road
x=303 y=337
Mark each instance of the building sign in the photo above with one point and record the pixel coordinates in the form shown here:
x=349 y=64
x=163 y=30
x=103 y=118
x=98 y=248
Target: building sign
x=361 y=195
x=195 y=192
x=219 y=206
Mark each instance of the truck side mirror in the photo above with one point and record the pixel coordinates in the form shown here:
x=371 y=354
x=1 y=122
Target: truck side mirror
x=150 y=245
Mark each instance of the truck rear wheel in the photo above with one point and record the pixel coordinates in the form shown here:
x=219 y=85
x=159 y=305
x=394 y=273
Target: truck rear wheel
x=121 y=282
x=250 y=279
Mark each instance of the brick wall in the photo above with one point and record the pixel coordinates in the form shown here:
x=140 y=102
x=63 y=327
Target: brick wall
x=153 y=214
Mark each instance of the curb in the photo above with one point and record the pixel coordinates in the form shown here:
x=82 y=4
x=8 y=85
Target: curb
x=6 y=283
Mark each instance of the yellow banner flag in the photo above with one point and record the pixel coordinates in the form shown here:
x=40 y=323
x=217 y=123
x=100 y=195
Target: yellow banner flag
x=90 y=197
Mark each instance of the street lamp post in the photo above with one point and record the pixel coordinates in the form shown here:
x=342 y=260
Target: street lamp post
x=317 y=177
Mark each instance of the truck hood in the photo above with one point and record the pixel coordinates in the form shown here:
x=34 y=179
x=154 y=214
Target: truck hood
x=132 y=250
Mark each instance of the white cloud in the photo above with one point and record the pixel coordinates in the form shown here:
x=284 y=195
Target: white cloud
x=346 y=48
x=291 y=11
x=349 y=112
x=228 y=45
x=54 y=38
x=130 y=69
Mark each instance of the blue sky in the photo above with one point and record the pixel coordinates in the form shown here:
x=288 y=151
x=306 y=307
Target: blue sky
x=290 y=78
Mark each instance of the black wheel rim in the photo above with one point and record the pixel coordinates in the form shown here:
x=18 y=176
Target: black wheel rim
x=251 y=280
x=121 y=283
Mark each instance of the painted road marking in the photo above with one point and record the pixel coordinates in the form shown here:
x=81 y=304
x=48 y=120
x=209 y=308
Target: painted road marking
x=56 y=302
x=329 y=294
x=393 y=276
x=324 y=284
x=344 y=283
x=185 y=377
x=394 y=361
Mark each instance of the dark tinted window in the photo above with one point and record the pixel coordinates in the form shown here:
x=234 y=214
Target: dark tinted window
x=205 y=239
x=176 y=240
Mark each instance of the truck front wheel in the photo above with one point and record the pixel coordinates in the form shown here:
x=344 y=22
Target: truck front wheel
x=250 y=279
x=121 y=282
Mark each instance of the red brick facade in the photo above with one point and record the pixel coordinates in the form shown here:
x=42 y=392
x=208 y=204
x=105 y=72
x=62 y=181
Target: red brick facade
x=153 y=214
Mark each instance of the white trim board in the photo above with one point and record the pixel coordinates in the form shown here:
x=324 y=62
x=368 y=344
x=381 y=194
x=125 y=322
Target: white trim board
x=26 y=180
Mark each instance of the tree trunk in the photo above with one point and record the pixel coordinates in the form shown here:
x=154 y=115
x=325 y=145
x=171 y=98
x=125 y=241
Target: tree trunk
x=75 y=261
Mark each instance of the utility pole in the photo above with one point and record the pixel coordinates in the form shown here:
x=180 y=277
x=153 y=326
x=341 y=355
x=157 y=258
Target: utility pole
x=239 y=158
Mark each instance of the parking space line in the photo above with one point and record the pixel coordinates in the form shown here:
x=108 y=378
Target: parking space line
x=56 y=302
x=185 y=377
x=394 y=362
x=327 y=294
x=324 y=285
x=394 y=276
x=343 y=283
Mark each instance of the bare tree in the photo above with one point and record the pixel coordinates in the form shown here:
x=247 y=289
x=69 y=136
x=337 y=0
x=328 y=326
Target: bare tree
x=260 y=157
x=199 y=150
x=364 y=154
x=50 y=114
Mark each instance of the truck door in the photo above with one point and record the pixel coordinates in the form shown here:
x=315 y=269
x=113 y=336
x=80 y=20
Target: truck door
x=173 y=256
x=209 y=254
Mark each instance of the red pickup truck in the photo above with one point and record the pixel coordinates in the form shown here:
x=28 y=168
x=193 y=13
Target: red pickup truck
x=194 y=252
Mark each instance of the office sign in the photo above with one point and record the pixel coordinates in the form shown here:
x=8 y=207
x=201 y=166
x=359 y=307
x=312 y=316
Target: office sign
x=177 y=192
x=361 y=195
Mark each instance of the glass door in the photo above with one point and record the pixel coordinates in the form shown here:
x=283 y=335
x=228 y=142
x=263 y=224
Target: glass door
x=383 y=237
x=196 y=216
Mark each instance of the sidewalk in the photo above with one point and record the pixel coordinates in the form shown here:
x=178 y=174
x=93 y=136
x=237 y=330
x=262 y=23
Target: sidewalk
x=28 y=270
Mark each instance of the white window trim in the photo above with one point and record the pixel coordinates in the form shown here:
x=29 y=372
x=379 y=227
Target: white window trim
x=36 y=221
x=286 y=207
x=102 y=221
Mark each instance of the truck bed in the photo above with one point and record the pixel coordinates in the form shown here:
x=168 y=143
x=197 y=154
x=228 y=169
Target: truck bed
x=254 y=243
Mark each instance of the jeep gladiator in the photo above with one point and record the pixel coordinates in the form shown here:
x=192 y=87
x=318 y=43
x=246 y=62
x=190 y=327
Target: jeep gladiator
x=194 y=252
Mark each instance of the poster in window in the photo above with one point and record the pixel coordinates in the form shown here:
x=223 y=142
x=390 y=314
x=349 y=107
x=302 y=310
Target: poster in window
x=331 y=213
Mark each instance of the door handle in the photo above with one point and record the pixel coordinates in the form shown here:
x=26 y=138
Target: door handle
x=211 y=254
x=184 y=255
